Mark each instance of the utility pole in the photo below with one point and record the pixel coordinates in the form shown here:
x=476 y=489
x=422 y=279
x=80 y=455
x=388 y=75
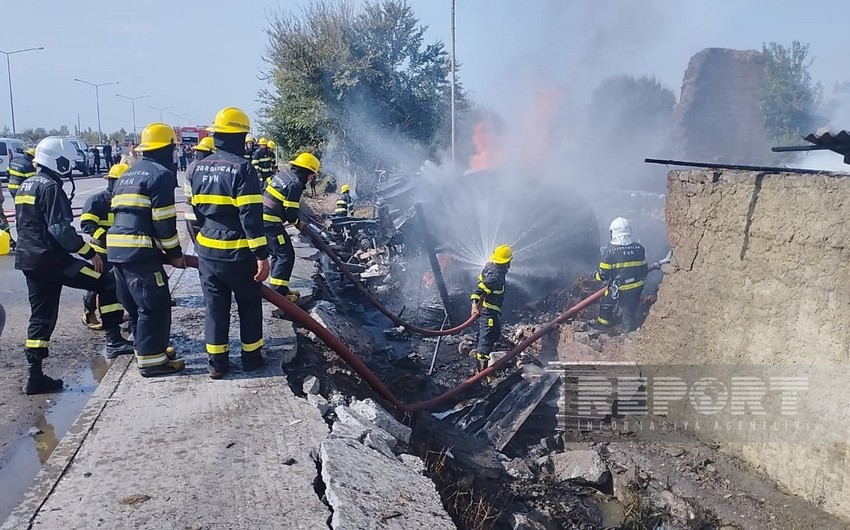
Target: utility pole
x=133 y=102
x=160 y=109
x=9 y=72
x=97 y=101
x=454 y=80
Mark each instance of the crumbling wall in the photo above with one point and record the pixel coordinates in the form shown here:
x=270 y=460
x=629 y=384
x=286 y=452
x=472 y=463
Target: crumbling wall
x=718 y=117
x=760 y=277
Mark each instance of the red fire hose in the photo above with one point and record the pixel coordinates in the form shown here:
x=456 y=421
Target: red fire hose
x=321 y=245
x=301 y=317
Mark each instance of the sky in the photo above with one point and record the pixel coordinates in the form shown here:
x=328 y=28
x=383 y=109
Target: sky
x=199 y=56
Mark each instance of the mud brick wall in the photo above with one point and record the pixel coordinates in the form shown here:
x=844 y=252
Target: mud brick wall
x=761 y=276
x=718 y=117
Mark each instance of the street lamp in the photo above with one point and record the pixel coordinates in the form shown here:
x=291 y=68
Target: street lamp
x=133 y=102
x=97 y=100
x=160 y=109
x=179 y=117
x=9 y=71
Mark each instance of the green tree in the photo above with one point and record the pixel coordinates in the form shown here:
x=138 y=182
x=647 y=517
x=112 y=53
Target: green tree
x=789 y=96
x=364 y=79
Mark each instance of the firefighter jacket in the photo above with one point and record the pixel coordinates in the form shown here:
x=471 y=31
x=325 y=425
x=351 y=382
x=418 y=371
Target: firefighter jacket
x=282 y=202
x=97 y=218
x=228 y=204
x=145 y=222
x=189 y=214
x=623 y=266
x=490 y=292
x=263 y=162
x=343 y=204
x=46 y=238
x=249 y=153
x=20 y=169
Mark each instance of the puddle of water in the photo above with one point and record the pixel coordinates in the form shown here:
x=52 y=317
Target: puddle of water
x=31 y=452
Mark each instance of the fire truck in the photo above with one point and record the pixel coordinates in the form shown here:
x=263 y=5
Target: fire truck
x=191 y=135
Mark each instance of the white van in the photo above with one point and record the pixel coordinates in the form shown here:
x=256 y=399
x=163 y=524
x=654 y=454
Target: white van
x=9 y=147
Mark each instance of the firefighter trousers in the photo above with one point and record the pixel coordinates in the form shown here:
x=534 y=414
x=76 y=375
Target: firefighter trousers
x=282 y=258
x=220 y=279
x=90 y=298
x=143 y=289
x=45 y=288
x=489 y=331
x=628 y=301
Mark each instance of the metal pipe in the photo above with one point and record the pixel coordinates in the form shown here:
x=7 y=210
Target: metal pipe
x=763 y=169
x=453 y=83
x=432 y=257
x=437 y=347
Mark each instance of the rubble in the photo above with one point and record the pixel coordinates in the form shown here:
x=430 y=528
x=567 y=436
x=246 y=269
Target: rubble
x=357 y=339
x=311 y=385
x=585 y=466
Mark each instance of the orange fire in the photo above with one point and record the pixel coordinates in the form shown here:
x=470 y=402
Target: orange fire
x=445 y=262
x=487 y=152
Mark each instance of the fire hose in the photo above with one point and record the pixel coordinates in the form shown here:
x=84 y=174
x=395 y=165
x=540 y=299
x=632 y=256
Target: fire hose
x=302 y=318
x=324 y=247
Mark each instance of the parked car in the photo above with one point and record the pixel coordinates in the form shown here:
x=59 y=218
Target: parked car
x=85 y=158
x=9 y=147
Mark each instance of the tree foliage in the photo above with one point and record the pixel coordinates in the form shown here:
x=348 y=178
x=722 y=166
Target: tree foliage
x=363 y=79
x=789 y=96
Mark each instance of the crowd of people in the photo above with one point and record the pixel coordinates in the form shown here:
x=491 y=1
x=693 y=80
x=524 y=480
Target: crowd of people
x=239 y=205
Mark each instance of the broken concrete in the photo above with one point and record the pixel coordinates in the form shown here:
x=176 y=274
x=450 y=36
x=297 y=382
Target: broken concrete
x=583 y=465
x=355 y=337
x=370 y=411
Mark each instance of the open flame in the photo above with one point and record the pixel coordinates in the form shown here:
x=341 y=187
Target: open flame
x=487 y=149
x=445 y=262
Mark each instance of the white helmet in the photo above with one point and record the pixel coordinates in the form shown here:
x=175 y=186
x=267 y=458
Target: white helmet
x=621 y=231
x=56 y=154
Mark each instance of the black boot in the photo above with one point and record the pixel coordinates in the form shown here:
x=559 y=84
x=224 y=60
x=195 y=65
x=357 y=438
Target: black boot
x=219 y=365
x=116 y=344
x=38 y=383
x=253 y=360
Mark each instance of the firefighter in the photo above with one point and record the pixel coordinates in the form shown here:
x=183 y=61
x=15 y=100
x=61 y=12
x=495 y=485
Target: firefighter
x=231 y=247
x=262 y=162
x=95 y=220
x=144 y=236
x=46 y=244
x=272 y=146
x=623 y=267
x=20 y=169
x=205 y=148
x=249 y=148
x=487 y=303
x=344 y=203
x=281 y=206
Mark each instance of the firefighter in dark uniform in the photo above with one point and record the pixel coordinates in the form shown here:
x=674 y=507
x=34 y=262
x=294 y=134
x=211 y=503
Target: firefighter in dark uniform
x=250 y=148
x=262 y=161
x=273 y=155
x=231 y=246
x=96 y=220
x=205 y=148
x=46 y=242
x=344 y=203
x=20 y=169
x=623 y=267
x=144 y=236
x=281 y=206
x=487 y=303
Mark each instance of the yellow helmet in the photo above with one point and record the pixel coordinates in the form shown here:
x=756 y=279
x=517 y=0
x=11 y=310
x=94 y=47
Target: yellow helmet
x=30 y=151
x=345 y=188
x=116 y=171
x=272 y=145
x=156 y=136
x=307 y=161
x=249 y=138
x=263 y=141
x=206 y=144
x=230 y=120
x=503 y=254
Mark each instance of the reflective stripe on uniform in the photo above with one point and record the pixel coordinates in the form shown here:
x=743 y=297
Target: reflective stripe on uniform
x=24 y=199
x=231 y=244
x=623 y=265
x=111 y=308
x=278 y=281
x=491 y=306
x=226 y=200
x=84 y=249
x=602 y=321
x=14 y=186
x=90 y=272
x=484 y=288
x=16 y=173
x=168 y=244
x=99 y=233
x=131 y=199
x=37 y=343
x=245 y=200
x=276 y=194
x=128 y=241
x=216 y=349
x=90 y=217
x=146 y=361
x=161 y=214
x=254 y=346
x=272 y=218
x=475 y=297
x=629 y=286
x=98 y=248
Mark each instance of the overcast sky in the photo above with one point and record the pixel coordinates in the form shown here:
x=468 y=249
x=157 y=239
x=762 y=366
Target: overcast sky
x=199 y=56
